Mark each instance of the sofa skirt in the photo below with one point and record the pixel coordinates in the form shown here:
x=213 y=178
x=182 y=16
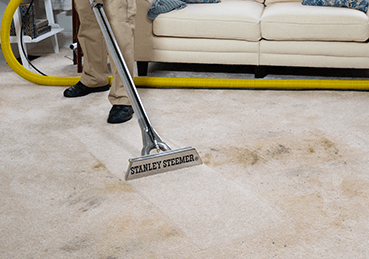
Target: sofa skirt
x=314 y=54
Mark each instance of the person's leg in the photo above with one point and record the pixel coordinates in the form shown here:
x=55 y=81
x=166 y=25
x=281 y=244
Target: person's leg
x=121 y=16
x=95 y=71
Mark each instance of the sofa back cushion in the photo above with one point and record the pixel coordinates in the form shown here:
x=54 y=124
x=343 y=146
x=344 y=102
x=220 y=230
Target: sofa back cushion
x=269 y=2
x=294 y=21
x=235 y=20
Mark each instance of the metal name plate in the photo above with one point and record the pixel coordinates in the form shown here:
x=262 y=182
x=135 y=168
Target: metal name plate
x=162 y=162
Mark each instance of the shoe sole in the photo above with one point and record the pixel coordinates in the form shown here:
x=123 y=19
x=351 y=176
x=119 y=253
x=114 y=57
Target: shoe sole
x=117 y=122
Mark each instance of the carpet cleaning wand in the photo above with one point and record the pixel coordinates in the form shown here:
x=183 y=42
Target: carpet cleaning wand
x=148 y=164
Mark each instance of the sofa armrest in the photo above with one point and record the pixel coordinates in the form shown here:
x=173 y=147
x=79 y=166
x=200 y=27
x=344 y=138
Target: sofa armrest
x=143 y=31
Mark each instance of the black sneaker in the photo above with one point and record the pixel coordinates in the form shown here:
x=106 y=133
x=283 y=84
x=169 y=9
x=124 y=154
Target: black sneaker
x=120 y=113
x=80 y=89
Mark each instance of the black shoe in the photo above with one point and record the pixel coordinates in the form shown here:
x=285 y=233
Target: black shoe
x=120 y=113
x=80 y=89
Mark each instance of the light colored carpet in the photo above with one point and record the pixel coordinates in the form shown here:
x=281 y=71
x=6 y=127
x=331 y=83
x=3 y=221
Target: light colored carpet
x=285 y=174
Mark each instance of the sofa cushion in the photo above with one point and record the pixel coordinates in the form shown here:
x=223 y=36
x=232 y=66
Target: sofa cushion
x=237 y=20
x=294 y=21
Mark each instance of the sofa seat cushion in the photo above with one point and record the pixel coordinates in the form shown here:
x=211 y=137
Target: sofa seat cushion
x=235 y=20
x=294 y=21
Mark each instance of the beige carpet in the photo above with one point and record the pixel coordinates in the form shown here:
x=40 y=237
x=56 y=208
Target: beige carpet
x=285 y=174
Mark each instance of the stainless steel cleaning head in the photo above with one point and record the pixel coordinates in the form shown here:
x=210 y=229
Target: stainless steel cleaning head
x=162 y=162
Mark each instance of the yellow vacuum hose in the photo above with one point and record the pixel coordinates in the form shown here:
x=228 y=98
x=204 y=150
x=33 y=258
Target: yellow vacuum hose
x=168 y=82
x=252 y=83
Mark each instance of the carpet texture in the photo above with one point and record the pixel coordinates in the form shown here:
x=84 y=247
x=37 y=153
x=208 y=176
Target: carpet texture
x=285 y=173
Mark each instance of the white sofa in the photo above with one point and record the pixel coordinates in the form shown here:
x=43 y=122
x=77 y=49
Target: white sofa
x=248 y=32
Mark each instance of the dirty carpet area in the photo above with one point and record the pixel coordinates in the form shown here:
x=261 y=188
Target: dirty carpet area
x=284 y=174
